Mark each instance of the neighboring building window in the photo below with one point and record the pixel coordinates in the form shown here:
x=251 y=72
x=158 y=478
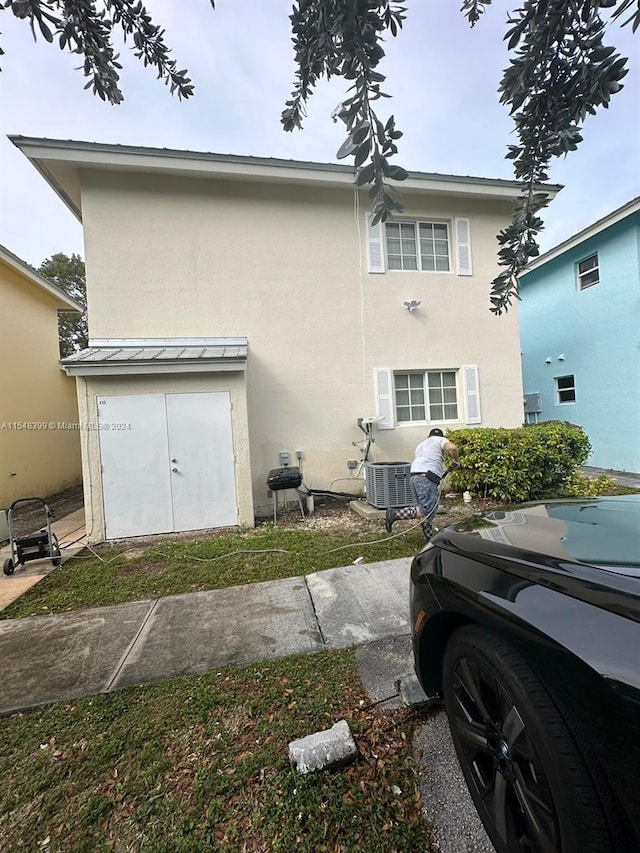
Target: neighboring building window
x=566 y=389
x=430 y=396
x=418 y=246
x=588 y=273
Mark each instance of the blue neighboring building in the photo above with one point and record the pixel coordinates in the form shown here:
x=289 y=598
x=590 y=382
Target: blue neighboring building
x=580 y=337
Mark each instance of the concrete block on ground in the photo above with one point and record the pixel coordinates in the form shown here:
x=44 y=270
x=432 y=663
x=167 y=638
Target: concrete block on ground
x=412 y=694
x=366 y=510
x=329 y=748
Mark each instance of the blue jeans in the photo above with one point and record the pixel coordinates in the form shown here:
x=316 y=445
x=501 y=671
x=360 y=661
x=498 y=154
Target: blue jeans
x=426 y=494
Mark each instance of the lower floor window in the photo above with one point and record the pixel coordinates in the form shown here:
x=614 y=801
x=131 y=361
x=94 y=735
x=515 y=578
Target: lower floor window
x=426 y=396
x=565 y=389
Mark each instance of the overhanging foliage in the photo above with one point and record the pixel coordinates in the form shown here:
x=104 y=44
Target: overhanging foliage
x=560 y=71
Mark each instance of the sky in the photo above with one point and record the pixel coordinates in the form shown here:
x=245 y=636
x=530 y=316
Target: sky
x=442 y=75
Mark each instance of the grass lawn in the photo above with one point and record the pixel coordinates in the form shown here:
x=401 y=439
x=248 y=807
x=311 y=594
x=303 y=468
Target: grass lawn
x=131 y=572
x=170 y=567
x=199 y=764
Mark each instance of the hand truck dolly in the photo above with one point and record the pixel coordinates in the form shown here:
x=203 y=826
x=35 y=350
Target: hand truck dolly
x=41 y=545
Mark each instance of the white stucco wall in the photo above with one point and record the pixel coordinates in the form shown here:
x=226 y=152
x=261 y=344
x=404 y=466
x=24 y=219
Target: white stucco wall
x=286 y=267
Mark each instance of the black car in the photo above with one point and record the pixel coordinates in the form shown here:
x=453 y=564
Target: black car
x=527 y=624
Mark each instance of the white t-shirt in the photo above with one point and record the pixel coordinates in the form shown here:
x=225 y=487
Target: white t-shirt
x=429 y=455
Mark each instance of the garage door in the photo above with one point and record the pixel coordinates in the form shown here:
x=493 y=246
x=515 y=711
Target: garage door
x=167 y=463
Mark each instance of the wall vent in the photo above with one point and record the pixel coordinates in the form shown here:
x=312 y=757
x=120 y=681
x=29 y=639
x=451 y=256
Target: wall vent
x=388 y=484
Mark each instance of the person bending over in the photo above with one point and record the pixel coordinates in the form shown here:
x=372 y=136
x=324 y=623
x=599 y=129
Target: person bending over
x=427 y=469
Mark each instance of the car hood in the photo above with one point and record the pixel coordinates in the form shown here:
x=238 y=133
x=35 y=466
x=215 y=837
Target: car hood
x=603 y=532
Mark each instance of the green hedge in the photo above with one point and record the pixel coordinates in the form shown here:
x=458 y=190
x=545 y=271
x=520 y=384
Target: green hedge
x=578 y=486
x=518 y=464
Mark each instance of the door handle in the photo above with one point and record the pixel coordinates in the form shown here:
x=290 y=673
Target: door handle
x=175 y=470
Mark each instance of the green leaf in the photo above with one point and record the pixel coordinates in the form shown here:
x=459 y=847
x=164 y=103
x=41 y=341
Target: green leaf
x=361 y=132
x=397 y=173
x=362 y=153
x=365 y=175
x=378 y=216
x=601 y=53
x=46 y=32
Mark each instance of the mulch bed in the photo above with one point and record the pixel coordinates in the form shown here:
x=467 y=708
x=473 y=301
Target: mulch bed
x=329 y=512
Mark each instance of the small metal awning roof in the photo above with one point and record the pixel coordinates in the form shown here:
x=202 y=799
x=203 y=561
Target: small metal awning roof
x=226 y=355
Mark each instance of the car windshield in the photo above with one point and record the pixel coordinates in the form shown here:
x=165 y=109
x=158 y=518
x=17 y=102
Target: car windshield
x=603 y=532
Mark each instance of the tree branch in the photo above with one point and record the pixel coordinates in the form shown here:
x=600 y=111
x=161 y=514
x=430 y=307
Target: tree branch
x=86 y=27
x=343 y=38
x=562 y=72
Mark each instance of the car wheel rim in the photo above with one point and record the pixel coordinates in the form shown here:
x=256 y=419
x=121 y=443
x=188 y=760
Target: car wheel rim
x=502 y=761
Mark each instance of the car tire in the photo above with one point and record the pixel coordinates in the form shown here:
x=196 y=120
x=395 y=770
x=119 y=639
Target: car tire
x=534 y=784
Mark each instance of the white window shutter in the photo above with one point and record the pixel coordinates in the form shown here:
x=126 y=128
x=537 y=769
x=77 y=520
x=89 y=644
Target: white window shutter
x=384 y=397
x=471 y=394
x=463 y=246
x=375 y=246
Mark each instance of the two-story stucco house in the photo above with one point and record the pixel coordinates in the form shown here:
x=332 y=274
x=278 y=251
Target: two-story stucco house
x=243 y=308
x=580 y=331
x=39 y=439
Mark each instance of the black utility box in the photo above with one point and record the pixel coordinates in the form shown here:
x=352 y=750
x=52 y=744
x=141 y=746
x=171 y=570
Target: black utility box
x=283 y=478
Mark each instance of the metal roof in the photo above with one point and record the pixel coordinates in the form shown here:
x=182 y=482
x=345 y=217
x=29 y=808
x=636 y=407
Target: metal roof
x=97 y=148
x=147 y=355
x=61 y=163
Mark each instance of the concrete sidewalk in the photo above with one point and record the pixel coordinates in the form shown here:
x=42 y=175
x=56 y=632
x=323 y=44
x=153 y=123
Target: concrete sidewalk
x=60 y=657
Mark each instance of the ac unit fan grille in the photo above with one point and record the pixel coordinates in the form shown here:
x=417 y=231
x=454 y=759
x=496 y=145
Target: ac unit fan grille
x=388 y=484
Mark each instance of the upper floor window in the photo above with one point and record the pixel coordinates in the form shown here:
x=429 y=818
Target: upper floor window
x=588 y=273
x=418 y=246
x=566 y=389
x=430 y=396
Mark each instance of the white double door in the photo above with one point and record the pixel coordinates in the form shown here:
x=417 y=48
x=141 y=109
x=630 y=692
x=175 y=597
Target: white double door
x=167 y=463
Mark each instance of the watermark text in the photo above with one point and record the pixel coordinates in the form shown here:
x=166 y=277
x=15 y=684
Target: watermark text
x=46 y=426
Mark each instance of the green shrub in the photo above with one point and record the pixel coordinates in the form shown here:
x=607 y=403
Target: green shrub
x=577 y=485
x=518 y=464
